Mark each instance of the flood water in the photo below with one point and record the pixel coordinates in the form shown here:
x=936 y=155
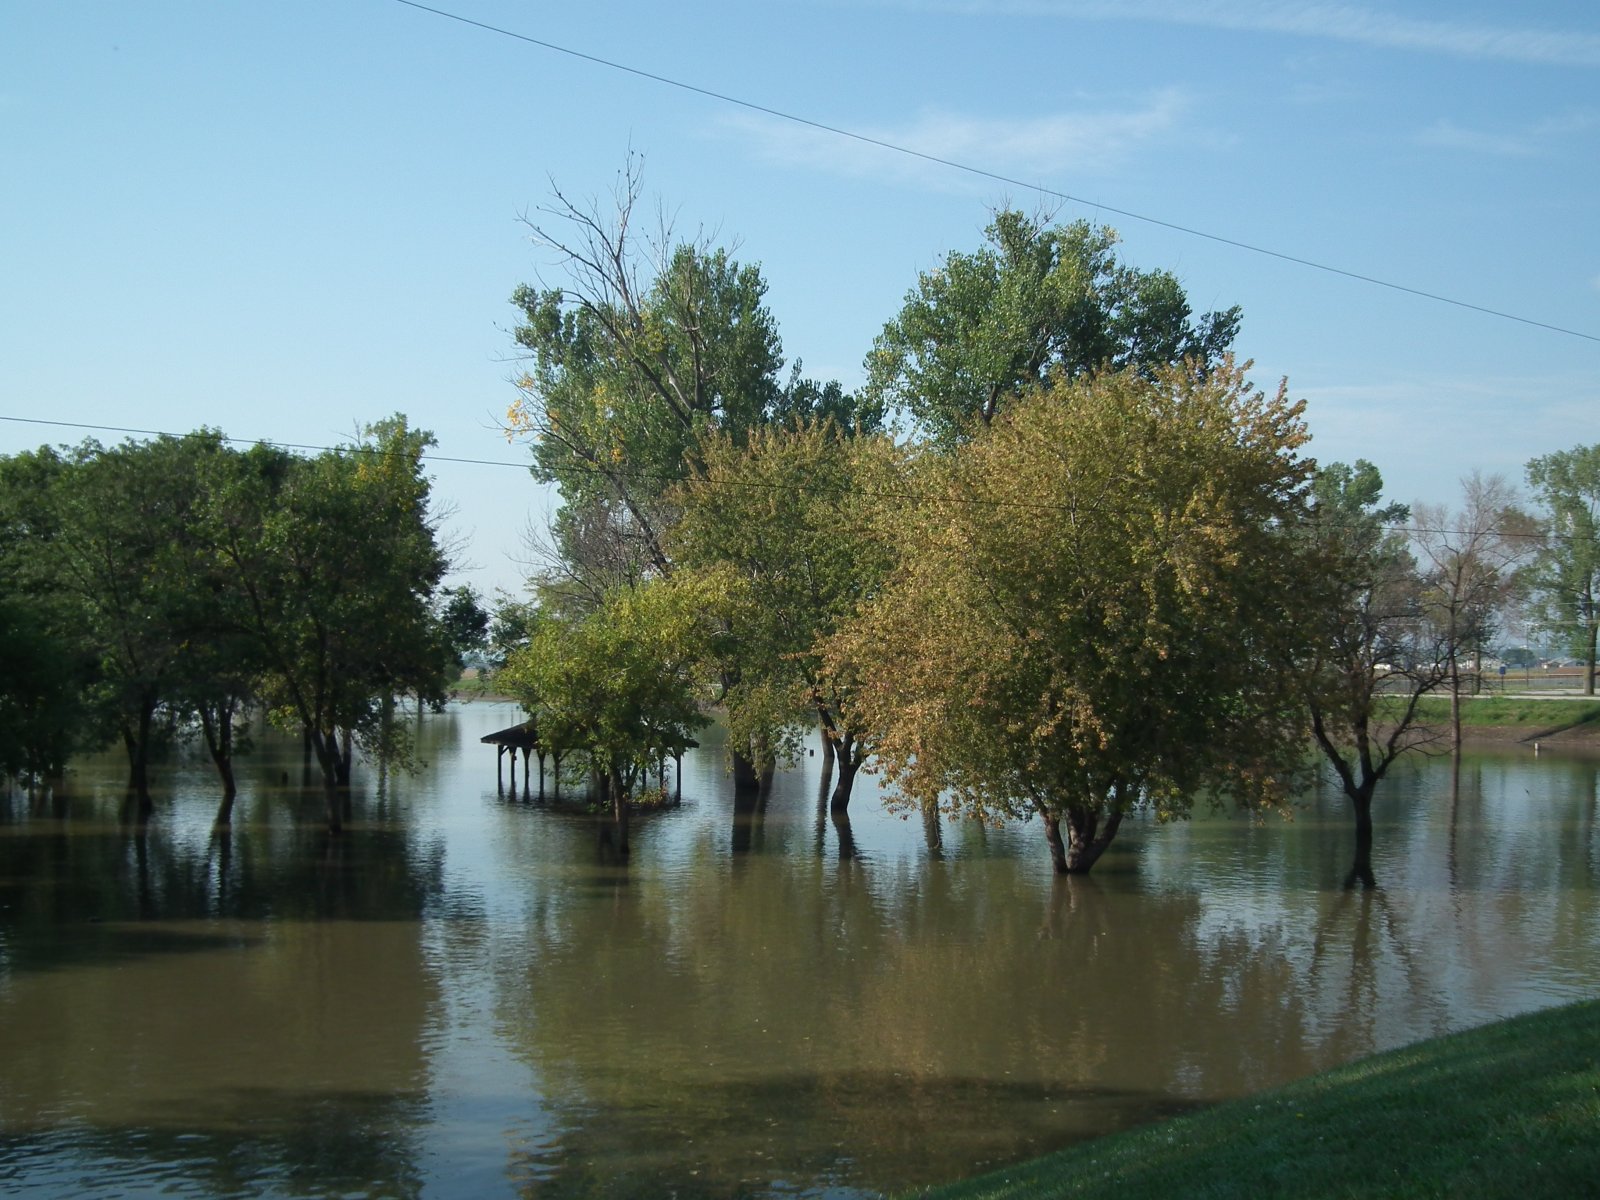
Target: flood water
x=465 y=996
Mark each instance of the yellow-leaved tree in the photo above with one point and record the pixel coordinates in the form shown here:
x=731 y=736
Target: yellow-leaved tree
x=1094 y=601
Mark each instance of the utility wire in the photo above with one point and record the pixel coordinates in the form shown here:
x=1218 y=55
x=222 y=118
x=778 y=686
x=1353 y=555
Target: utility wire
x=659 y=479
x=1010 y=181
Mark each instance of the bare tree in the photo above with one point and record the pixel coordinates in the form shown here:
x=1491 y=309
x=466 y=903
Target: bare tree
x=1471 y=567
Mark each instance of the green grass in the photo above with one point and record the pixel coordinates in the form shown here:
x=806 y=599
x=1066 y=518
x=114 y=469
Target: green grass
x=1508 y=1110
x=1503 y=712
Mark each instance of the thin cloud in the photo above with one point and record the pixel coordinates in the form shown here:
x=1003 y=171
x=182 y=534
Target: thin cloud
x=1335 y=22
x=1542 y=137
x=1447 y=135
x=1092 y=143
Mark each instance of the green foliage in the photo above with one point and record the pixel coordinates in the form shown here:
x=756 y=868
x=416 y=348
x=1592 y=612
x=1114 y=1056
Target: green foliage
x=1036 y=303
x=463 y=622
x=51 y=662
x=342 y=569
x=1088 y=596
x=624 y=376
x=1565 y=577
x=177 y=579
x=648 y=348
x=621 y=683
x=787 y=518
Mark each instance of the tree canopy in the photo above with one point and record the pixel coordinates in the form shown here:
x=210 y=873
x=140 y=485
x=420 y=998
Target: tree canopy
x=789 y=518
x=1089 y=595
x=1035 y=303
x=1566 y=573
x=196 y=578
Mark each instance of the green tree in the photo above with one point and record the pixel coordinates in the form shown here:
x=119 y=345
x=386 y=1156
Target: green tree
x=126 y=548
x=463 y=621
x=619 y=684
x=638 y=353
x=1090 y=593
x=338 y=559
x=1034 y=304
x=1372 y=657
x=1565 y=577
x=51 y=663
x=790 y=517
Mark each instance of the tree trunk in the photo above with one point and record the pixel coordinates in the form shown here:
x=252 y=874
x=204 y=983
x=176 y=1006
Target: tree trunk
x=1052 y=835
x=1588 y=666
x=1455 y=704
x=1086 y=839
x=324 y=743
x=1361 y=868
x=619 y=813
x=745 y=776
x=933 y=831
x=137 y=741
x=849 y=761
x=342 y=763
x=217 y=726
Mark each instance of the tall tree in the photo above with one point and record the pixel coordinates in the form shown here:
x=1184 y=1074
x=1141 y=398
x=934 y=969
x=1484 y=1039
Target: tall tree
x=339 y=560
x=641 y=349
x=1566 y=573
x=1371 y=656
x=126 y=545
x=51 y=662
x=790 y=517
x=1035 y=303
x=1089 y=593
x=1470 y=561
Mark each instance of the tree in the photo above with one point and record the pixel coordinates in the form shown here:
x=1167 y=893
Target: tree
x=1565 y=577
x=641 y=351
x=618 y=684
x=51 y=664
x=788 y=517
x=126 y=549
x=647 y=345
x=1371 y=657
x=1089 y=595
x=1470 y=560
x=1034 y=304
x=463 y=622
x=339 y=563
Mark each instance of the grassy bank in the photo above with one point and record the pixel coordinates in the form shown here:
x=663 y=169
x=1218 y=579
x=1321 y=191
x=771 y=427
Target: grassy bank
x=1509 y=1110
x=1505 y=712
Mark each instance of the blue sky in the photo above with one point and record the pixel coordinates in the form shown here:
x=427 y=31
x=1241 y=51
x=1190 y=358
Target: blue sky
x=284 y=219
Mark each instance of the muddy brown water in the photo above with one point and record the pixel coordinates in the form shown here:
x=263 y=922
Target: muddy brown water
x=465 y=996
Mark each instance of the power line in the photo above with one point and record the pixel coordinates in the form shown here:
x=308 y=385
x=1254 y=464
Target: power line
x=983 y=173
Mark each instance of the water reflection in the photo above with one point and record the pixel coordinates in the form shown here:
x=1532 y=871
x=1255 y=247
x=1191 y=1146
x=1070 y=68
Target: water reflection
x=466 y=995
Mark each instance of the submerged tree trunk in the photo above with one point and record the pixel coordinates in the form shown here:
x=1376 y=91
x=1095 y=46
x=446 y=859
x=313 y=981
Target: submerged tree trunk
x=1086 y=839
x=324 y=744
x=1361 y=868
x=619 y=812
x=137 y=740
x=850 y=757
x=747 y=778
x=217 y=726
